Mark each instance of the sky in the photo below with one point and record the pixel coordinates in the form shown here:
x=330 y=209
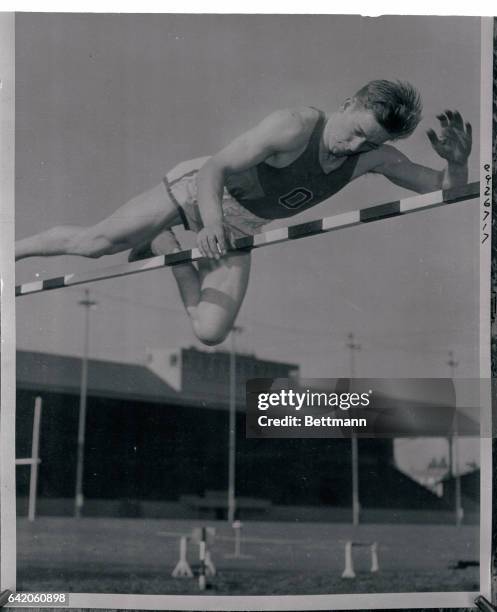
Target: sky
x=106 y=104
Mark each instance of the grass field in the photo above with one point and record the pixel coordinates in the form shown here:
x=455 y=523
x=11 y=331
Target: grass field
x=138 y=556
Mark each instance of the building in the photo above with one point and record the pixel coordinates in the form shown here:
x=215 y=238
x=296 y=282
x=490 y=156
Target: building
x=156 y=445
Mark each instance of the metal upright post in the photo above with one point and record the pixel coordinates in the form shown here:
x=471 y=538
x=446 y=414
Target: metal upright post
x=454 y=451
x=79 y=495
x=35 y=453
x=232 y=430
x=353 y=346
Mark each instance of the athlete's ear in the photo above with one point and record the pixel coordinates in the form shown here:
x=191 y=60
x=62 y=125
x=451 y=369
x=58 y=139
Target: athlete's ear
x=347 y=102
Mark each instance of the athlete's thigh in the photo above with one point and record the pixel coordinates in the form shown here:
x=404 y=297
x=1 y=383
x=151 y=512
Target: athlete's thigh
x=141 y=218
x=223 y=287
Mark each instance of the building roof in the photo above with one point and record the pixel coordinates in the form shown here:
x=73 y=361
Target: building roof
x=62 y=374
x=54 y=373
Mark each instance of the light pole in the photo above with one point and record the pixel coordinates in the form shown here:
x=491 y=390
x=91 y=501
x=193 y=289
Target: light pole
x=353 y=347
x=232 y=429
x=79 y=497
x=453 y=450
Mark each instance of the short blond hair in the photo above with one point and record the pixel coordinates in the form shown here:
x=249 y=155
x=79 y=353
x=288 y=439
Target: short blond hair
x=396 y=105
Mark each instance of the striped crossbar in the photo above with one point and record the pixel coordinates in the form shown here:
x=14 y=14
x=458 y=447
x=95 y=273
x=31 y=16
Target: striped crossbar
x=312 y=228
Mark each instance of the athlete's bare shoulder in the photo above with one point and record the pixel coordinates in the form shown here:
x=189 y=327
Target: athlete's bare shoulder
x=292 y=125
x=303 y=117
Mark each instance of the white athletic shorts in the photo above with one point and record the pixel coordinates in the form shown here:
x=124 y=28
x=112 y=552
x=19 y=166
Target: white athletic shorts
x=181 y=186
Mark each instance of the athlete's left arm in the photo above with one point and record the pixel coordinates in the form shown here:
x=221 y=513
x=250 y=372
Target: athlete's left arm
x=453 y=145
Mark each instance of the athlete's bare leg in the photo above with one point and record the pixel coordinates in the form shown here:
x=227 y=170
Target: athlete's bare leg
x=212 y=294
x=138 y=220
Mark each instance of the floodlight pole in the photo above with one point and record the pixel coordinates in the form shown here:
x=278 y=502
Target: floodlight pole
x=80 y=460
x=35 y=458
x=353 y=347
x=454 y=451
x=232 y=429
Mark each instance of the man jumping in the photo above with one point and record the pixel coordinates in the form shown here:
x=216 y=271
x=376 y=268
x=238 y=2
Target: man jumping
x=291 y=161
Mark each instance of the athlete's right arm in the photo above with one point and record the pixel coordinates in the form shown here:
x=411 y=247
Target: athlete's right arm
x=282 y=131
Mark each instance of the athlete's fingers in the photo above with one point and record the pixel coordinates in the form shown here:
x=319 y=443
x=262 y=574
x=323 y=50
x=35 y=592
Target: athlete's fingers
x=457 y=120
x=443 y=120
x=462 y=141
x=469 y=136
x=207 y=250
x=221 y=243
x=201 y=246
x=449 y=114
x=433 y=138
x=212 y=244
x=459 y=139
x=204 y=245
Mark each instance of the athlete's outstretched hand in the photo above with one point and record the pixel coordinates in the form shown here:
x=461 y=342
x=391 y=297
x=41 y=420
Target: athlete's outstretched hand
x=211 y=241
x=455 y=140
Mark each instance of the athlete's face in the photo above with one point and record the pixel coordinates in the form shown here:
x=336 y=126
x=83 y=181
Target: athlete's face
x=353 y=129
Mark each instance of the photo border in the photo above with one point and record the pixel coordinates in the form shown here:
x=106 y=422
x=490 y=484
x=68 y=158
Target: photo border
x=7 y=305
x=486 y=148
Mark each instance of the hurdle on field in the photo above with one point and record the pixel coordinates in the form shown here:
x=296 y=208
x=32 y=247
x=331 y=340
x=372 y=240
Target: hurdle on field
x=354 y=218
x=34 y=460
x=348 y=571
x=237 y=553
x=206 y=566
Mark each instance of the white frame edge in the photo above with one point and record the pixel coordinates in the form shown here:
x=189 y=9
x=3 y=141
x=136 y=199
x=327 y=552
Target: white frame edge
x=7 y=306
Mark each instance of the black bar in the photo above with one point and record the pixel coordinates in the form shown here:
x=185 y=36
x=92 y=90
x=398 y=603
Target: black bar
x=54 y=283
x=466 y=192
x=382 y=211
x=305 y=229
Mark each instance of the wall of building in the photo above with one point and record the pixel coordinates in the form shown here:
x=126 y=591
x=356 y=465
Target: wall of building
x=140 y=453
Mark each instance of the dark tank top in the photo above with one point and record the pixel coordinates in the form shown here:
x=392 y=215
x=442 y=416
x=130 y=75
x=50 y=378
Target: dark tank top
x=276 y=193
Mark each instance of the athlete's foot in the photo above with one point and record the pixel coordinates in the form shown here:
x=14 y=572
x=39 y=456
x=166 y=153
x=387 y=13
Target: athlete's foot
x=163 y=244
